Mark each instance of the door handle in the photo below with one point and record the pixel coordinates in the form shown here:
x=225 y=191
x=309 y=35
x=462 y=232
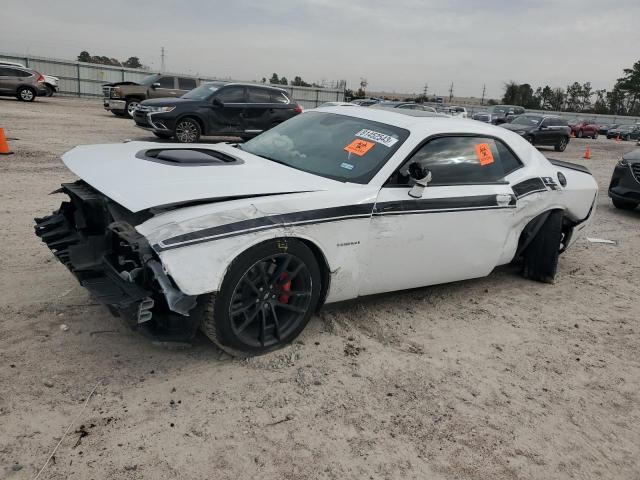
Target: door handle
x=503 y=199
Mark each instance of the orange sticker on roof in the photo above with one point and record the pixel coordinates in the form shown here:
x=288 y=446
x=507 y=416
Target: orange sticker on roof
x=483 y=151
x=359 y=147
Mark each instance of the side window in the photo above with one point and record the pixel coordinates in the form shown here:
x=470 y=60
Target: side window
x=19 y=73
x=547 y=122
x=457 y=160
x=279 y=97
x=186 y=83
x=259 y=95
x=231 y=95
x=5 y=72
x=167 y=82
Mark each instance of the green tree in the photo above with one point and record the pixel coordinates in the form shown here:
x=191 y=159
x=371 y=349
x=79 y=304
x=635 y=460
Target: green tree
x=84 y=56
x=132 y=62
x=574 y=94
x=274 y=79
x=557 y=99
x=600 y=105
x=585 y=100
x=629 y=86
x=284 y=81
x=511 y=93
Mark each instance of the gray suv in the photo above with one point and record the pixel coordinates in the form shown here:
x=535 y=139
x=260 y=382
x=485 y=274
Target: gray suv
x=20 y=82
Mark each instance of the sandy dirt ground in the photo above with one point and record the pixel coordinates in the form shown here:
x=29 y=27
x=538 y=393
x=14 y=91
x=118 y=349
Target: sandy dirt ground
x=496 y=378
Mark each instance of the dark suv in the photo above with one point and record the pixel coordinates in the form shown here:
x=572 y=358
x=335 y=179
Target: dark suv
x=541 y=130
x=624 y=188
x=216 y=108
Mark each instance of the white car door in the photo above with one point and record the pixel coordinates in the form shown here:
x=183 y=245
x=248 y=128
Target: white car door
x=456 y=230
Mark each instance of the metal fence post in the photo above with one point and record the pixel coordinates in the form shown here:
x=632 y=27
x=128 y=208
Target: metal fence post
x=78 y=65
x=317 y=95
x=26 y=62
x=123 y=74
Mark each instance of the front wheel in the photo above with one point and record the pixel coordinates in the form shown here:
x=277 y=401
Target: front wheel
x=624 y=204
x=561 y=145
x=187 y=131
x=595 y=135
x=579 y=134
x=26 y=94
x=627 y=137
x=131 y=105
x=267 y=298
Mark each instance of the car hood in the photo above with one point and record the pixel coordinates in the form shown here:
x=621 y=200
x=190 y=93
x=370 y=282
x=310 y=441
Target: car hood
x=125 y=174
x=516 y=126
x=168 y=102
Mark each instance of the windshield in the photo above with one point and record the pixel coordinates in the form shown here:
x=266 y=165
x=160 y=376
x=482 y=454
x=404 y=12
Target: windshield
x=343 y=148
x=626 y=127
x=149 y=79
x=526 y=120
x=201 y=92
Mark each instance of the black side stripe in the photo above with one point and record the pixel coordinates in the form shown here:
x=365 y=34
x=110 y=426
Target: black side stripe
x=334 y=214
x=529 y=186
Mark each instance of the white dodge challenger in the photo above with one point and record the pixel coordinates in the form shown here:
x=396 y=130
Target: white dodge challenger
x=246 y=241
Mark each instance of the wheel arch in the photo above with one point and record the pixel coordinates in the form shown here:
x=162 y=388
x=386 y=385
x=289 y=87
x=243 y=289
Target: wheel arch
x=534 y=225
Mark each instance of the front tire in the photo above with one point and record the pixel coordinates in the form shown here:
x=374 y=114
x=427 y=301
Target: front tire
x=541 y=256
x=130 y=106
x=50 y=90
x=26 y=94
x=187 y=130
x=561 y=145
x=595 y=135
x=579 y=134
x=627 y=137
x=623 y=204
x=267 y=298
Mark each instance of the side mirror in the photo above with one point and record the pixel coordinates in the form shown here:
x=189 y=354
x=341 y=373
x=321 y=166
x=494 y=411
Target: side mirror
x=421 y=176
x=543 y=127
x=155 y=85
x=217 y=102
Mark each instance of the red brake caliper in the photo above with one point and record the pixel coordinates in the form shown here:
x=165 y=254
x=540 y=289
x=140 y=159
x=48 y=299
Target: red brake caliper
x=286 y=287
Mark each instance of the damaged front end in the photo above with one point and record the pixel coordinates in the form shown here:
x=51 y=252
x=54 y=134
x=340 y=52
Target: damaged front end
x=95 y=238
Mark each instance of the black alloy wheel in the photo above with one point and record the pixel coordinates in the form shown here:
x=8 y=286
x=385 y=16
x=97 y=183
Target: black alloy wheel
x=270 y=300
x=187 y=131
x=561 y=145
x=266 y=299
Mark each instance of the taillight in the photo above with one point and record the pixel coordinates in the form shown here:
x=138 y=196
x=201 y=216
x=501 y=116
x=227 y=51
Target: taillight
x=40 y=78
x=298 y=109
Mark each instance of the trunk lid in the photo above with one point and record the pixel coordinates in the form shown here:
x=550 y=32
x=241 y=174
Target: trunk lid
x=129 y=174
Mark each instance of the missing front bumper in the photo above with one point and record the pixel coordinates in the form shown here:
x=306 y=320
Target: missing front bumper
x=91 y=236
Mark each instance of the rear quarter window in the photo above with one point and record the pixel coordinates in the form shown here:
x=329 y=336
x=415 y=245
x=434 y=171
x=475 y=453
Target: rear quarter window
x=167 y=82
x=279 y=97
x=186 y=83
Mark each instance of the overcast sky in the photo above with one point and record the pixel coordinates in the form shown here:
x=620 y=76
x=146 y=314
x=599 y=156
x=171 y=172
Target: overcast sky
x=396 y=45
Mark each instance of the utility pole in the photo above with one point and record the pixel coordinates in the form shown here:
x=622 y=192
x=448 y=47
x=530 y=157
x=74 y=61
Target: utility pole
x=424 y=92
x=451 y=93
x=161 y=59
x=484 y=89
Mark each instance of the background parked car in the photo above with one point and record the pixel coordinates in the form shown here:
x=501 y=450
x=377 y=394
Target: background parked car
x=605 y=127
x=482 y=117
x=405 y=105
x=584 y=128
x=337 y=104
x=504 y=113
x=625 y=132
x=456 y=111
x=216 y=108
x=20 y=82
x=122 y=98
x=624 y=189
x=50 y=82
x=541 y=130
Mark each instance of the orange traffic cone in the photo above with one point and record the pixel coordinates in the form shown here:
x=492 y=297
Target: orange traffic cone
x=587 y=154
x=4 y=146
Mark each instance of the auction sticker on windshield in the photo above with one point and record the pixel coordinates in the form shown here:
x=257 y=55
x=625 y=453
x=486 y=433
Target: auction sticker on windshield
x=483 y=151
x=386 y=140
x=359 y=147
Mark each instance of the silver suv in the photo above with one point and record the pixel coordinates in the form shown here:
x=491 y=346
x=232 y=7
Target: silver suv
x=23 y=83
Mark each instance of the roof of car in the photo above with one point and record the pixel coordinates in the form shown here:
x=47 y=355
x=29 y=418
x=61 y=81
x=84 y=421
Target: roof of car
x=245 y=84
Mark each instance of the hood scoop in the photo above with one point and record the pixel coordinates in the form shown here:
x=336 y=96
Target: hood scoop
x=187 y=157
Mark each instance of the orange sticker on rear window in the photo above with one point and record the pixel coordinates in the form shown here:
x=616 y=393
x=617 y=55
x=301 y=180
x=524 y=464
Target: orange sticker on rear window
x=359 y=147
x=483 y=151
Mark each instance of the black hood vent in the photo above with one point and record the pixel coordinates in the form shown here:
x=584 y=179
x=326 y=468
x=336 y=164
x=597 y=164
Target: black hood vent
x=188 y=157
